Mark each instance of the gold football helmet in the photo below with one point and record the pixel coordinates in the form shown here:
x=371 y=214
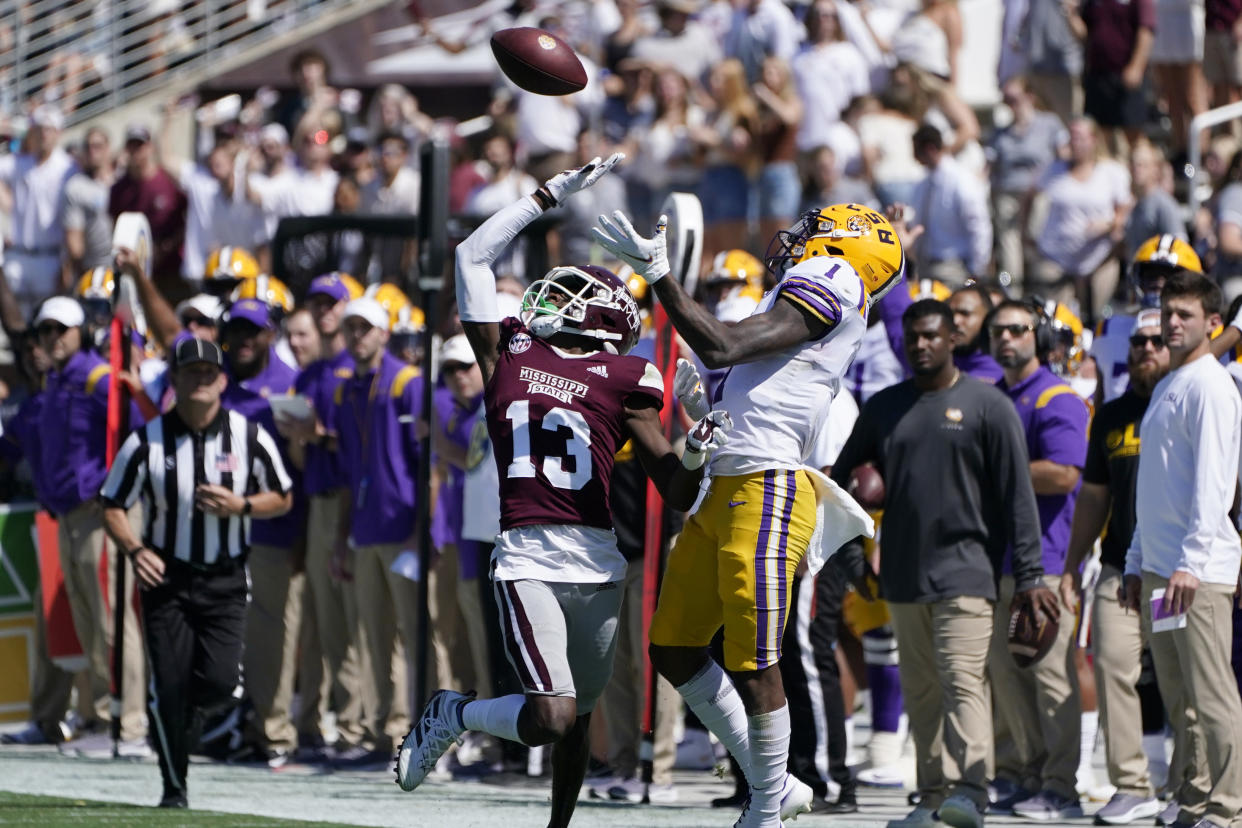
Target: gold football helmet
x=1155 y=259
x=929 y=289
x=226 y=267
x=267 y=289
x=96 y=283
x=852 y=232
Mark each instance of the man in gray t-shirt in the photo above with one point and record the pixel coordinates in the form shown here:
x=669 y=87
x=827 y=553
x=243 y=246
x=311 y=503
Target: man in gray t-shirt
x=88 y=227
x=958 y=492
x=1155 y=210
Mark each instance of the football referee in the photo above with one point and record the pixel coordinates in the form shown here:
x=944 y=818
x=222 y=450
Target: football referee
x=203 y=472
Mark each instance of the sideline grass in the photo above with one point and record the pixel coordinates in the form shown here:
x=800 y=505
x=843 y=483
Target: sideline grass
x=54 y=812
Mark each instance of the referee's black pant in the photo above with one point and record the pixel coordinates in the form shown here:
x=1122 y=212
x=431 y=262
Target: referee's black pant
x=194 y=625
x=817 y=749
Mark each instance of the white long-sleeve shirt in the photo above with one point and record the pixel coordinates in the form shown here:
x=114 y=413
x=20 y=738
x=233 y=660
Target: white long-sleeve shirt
x=952 y=206
x=1188 y=470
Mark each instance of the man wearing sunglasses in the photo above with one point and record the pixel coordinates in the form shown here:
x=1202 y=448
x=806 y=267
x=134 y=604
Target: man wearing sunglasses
x=1036 y=768
x=1107 y=498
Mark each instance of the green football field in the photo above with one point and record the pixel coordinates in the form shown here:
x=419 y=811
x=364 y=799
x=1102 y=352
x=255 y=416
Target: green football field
x=53 y=812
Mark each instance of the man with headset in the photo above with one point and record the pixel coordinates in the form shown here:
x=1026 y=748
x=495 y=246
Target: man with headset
x=1036 y=767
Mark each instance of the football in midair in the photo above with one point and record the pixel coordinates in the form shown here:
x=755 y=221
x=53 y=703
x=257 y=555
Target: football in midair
x=538 y=61
x=1031 y=634
x=867 y=487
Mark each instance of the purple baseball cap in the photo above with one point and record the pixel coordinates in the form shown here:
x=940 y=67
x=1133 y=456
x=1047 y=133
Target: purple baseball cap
x=250 y=310
x=329 y=284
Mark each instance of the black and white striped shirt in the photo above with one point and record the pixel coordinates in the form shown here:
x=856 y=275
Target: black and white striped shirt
x=164 y=461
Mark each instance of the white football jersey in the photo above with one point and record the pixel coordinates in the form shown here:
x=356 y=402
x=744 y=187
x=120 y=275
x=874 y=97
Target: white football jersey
x=1110 y=349
x=779 y=403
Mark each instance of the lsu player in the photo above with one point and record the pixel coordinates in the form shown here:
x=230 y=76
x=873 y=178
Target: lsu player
x=561 y=397
x=226 y=268
x=755 y=524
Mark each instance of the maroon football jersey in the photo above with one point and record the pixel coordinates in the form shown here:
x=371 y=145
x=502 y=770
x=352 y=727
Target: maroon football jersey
x=555 y=423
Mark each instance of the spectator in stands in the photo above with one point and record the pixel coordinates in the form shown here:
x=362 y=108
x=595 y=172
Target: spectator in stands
x=35 y=179
x=1019 y=153
x=145 y=187
x=1155 y=211
x=506 y=182
x=1186 y=545
x=1118 y=36
x=779 y=187
x=218 y=214
x=729 y=157
x=971 y=306
x=395 y=110
x=684 y=44
x=313 y=104
x=1228 y=215
x=1088 y=203
x=1222 y=56
x=952 y=208
x=580 y=214
x=886 y=128
x=88 y=227
x=665 y=159
x=1037 y=707
x=829 y=72
x=826 y=185
x=1177 y=65
x=273 y=183
x=929 y=41
x=395 y=190
x=316 y=180
x=761 y=29
x=1053 y=56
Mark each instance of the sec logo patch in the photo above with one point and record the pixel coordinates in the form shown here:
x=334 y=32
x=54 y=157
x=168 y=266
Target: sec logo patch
x=519 y=343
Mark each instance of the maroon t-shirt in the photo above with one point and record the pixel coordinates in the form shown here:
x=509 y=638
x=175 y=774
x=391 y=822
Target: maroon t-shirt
x=1112 y=28
x=162 y=202
x=1220 y=15
x=556 y=423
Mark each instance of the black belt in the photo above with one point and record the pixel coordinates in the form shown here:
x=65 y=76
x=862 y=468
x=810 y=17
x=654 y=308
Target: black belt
x=228 y=566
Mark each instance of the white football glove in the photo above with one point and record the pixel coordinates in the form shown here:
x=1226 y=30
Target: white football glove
x=564 y=184
x=688 y=386
x=709 y=435
x=648 y=257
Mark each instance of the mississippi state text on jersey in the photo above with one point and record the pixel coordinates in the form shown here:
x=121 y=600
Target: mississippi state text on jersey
x=556 y=420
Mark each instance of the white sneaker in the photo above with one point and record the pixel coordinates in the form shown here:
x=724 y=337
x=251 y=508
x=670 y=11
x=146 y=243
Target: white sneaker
x=439 y=727
x=886 y=776
x=598 y=787
x=662 y=794
x=627 y=790
x=796 y=797
x=920 y=817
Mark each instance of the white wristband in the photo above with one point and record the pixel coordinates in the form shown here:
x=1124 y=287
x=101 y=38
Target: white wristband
x=692 y=459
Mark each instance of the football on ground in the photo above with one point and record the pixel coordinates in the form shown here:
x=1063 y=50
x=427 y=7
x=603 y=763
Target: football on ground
x=538 y=61
x=1031 y=634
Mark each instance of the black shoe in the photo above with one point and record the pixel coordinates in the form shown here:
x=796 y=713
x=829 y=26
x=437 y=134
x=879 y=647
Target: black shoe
x=845 y=804
x=737 y=800
x=174 y=799
x=360 y=758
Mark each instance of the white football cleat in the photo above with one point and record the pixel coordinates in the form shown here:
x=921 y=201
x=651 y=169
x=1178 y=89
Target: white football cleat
x=796 y=797
x=439 y=727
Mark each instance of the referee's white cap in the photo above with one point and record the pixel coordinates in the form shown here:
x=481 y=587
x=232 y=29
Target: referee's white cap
x=370 y=310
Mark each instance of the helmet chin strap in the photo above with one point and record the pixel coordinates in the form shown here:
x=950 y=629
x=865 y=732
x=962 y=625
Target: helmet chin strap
x=546 y=326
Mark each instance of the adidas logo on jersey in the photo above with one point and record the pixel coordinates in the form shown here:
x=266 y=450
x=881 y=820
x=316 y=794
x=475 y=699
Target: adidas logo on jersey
x=602 y=370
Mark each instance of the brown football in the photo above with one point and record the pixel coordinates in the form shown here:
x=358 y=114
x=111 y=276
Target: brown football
x=1031 y=634
x=538 y=61
x=867 y=487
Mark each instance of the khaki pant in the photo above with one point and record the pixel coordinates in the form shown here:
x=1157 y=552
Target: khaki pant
x=942 y=651
x=50 y=686
x=387 y=607
x=1117 y=635
x=452 y=666
x=474 y=623
x=311 y=686
x=1193 y=663
x=335 y=611
x=624 y=696
x=271 y=656
x=81 y=551
x=1039 y=704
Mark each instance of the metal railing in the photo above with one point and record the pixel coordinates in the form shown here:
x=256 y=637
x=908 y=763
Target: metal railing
x=90 y=56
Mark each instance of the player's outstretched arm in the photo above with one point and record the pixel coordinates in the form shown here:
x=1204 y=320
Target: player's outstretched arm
x=677 y=479
x=719 y=345
x=476 y=282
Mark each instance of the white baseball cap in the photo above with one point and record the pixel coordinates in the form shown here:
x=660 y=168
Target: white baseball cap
x=204 y=303
x=1146 y=318
x=367 y=308
x=457 y=349
x=62 y=309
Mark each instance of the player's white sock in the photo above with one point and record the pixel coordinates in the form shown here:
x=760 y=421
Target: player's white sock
x=714 y=699
x=1086 y=750
x=769 y=754
x=498 y=717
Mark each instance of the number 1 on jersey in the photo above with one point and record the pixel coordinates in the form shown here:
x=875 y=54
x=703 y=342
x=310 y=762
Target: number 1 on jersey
x=577 y=446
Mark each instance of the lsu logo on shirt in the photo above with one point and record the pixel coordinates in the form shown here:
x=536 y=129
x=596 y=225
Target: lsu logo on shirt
x=1122 y=442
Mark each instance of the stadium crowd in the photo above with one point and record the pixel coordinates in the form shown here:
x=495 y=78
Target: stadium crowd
x=1047 y=225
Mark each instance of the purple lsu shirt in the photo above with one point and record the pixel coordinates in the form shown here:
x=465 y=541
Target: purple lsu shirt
x=556 y=422
x=249 y=397
x=456 y=421
x=377 y=416
x=1055 y=420
x=980 y=365
x=319 y=381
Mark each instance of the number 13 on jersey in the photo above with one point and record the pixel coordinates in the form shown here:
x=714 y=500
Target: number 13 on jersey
x=577 y=446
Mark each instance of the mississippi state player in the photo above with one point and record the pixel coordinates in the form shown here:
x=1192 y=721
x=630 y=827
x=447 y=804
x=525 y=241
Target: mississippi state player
x=561 y=398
